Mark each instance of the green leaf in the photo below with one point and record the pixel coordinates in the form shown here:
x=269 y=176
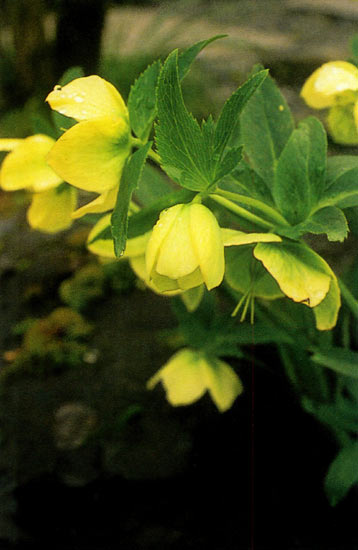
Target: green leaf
x=301 y=273
x=266 y=125
x=246 y=181
x=179 y=139
x=232 y=110
x=342 y=473
x=152 y=186
x=300 y=171
x=187 y=56
x=329 y=220
x=341 y=182
x=142 y=101
x=129 y=181
x=230 y=161
x=343 y=361
x=245 y=274
x=62 y=122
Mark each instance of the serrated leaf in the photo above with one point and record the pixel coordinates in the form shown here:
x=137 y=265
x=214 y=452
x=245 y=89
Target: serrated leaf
x=232 y=110
x=142 y=101
x=187 y=56
x=129 y=181
x=343 y=361
x=180 y=143
x=230 y=161
x=342 y=473
x=300 y=171
x=62 y=122
x=329 y=220
x=341 y=182
x=267 y=117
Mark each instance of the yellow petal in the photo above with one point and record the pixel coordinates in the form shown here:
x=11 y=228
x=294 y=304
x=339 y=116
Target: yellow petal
x=301 y=273
x=51 y=210
x=104 y=202
x=183 y=378
x=9 y=144
x=137 y=263
x=207 y=243
x=87 y=98
x=176 y=256
x=223 y=383
x=91 y=154
x=329 y=81
x=160 y=231
x=231 y=237
x=26 y=166
x=103 y=247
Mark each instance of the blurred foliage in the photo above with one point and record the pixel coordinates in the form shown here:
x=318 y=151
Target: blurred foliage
x=49 y=345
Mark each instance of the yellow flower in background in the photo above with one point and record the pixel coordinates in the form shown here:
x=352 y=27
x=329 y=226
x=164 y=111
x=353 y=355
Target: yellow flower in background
x=185 y=249
x=92 y=153
x=25 y=167
x=190 y=373
x=335 y=86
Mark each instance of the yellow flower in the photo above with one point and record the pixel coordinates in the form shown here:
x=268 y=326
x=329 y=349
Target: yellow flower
x=335 y=86
x=91 y=154
x=189 y=374
x=25 y=167
x=185 y=249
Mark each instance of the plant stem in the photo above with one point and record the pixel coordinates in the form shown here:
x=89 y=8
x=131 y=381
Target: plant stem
x=136 y=142
x=255 y=203
x=351 y=302
x=242 y=212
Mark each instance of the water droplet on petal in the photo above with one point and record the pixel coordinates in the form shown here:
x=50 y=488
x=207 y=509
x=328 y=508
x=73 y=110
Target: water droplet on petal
x=78 y=99
x=57 y=88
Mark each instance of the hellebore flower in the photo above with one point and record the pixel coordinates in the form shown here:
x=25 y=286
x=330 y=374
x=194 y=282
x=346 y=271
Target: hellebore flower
x=190 y=373
x=185 y=249
x=335 y=86
x=25 y=167
x=91 y=154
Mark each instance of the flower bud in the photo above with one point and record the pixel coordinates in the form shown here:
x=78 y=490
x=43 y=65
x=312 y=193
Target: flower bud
x=333 y=83
x=185 y=249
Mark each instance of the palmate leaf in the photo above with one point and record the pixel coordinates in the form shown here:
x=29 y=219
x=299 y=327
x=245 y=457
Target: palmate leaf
x=341 y=182
x=129 y=180
x=329 y=220
x=183 y=151
x=266 y=125
x=300 y=172
x=192 y=155
x=142 y=105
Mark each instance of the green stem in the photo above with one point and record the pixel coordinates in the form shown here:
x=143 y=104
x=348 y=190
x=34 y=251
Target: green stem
x=136 y=142
x=350 y=300
x=255 y=203
x=242 y=212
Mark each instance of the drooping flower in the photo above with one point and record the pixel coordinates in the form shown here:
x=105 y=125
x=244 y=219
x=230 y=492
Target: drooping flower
x=25 y=167
x=190 y=373
x=185 y=249
x=92 y=153
x=335 y=86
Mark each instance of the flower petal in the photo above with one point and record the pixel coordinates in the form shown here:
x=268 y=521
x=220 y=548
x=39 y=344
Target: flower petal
x=207 y=242
x=51 y=210
x=329 y=81
x=91 y=154
x=87 y=98
x=183 y=378
x=9 y=144
x=103 y=203
x=223 y=383
x=342 y=124
x=26 y=166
